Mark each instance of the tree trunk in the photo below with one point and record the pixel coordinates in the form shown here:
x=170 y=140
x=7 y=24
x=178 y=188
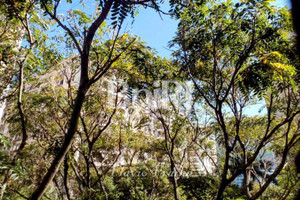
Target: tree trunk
x=224 y=181
x=66 y=145
x=221 y=189
x=21 y=111
x=247 y=182
x=65 y=177
x=173 y=178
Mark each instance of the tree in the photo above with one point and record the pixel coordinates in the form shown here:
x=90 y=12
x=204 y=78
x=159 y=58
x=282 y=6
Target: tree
x=18 y=19
x=119 y=8
x=235 y=53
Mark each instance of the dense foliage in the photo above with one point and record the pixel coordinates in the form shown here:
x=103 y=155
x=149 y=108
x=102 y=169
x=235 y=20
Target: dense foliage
x=94 y=113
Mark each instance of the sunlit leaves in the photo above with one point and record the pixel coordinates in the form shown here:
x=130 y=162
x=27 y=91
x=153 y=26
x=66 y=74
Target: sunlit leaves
x=82 y=17
x=272 y=70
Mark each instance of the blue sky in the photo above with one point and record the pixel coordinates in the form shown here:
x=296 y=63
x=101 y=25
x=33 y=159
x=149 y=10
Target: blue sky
x=158 y=32
x=154 y=29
